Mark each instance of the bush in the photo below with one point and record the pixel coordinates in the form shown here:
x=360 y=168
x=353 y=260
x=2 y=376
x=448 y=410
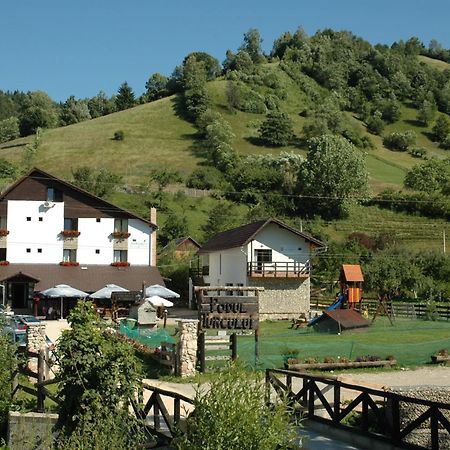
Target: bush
x=119 y=135
x=400 y=141
x=9 y=129
x=418 y=152
x=8 y=364
x=234 y=415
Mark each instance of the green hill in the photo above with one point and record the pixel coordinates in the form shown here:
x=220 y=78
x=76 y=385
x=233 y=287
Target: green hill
x=156 y=136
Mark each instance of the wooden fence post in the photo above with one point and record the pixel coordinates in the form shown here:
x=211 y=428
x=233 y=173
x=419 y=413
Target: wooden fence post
x=233 y=340
x=41 y=378
x=201 y=351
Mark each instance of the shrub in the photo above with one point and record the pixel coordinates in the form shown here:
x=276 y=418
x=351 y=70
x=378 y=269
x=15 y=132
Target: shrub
x=418 y=152
x=119 y=135
x=234 y=415
x=400 y=141
x=9 y=129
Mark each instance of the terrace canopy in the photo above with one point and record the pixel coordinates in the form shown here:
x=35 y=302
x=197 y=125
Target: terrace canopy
x=63 y=291
x=160 y=291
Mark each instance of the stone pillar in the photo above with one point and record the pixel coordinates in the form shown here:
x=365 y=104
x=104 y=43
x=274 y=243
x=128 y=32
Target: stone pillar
x=187 y=347
x=35 y=342
x=35 y=337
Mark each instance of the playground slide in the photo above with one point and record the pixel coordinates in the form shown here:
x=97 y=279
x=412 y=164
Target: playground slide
x=332 y=307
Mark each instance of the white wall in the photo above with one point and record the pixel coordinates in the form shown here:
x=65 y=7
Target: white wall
x=227 y=266
x=95 y=236
x=139 y=242
x=286 y=246
x=34 y=234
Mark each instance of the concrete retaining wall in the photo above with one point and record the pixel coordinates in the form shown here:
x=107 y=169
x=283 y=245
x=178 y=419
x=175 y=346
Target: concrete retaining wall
x=30 y=431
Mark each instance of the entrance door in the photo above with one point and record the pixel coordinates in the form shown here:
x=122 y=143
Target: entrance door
x=19 y=295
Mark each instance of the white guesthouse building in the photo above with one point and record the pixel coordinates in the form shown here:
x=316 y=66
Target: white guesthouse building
x=52 y=232
x=266 y=253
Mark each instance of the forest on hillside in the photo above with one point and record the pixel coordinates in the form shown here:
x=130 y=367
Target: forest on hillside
x=352 y=94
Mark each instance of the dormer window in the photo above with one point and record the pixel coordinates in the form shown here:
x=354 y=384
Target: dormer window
x=54 y=195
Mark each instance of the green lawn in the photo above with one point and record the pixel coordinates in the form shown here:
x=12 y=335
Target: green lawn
x=411 y=342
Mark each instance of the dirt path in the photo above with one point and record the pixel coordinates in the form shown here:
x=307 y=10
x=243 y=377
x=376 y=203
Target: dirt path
x=424 y=376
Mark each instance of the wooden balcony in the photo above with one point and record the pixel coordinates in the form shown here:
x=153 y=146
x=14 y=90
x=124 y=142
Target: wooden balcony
x=278 y=269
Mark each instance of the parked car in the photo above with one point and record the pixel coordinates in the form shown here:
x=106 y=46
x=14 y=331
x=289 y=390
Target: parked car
x=16 y=327
x=16 y=330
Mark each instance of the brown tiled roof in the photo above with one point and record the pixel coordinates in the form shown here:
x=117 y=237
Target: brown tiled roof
x=88 y=278
x=237 y=237
x=352 y=272
x=348 y=318
x=40 y=174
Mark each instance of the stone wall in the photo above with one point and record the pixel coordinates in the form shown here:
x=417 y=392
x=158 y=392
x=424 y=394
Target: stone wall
x=187 y=347
x=30 y=431
x=36 y=337
x=284 y=298
x=410 y=411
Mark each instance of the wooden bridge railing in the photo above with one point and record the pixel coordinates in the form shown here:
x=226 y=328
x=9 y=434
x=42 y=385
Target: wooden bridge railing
x=400 y=420
x=162 y=412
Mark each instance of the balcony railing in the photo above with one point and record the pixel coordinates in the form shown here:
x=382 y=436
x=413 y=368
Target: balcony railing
x=198 y=272
x=291 y=269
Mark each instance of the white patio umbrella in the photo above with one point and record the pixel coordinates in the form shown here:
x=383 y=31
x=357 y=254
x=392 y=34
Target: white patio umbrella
x=105 y=292
x=160 y=291
x=159 y=301
x=63 y=290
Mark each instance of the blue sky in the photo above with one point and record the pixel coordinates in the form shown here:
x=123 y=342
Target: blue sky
x=83 y=46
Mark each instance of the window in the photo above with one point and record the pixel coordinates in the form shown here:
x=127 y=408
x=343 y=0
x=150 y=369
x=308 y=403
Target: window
x=263 y=256
x=54 y=195
x=40 y=219
x=28 y=219
x=120 y=255
x=98 y=220
x=240 y=292
x=229 y=292
x=69 y=255
x=120 y=225
x=39 y=250
x=28 y=250
x=70 y=224
x=97 y=251
x=2 y=254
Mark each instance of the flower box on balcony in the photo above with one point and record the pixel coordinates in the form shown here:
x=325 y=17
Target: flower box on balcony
x=4 y=263
x=121 y=235
x=120 y=264
x=70 y=233
x=69 y=263
x=3 y=232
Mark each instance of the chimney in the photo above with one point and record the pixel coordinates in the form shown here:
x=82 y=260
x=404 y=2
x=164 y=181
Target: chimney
x=153 y=237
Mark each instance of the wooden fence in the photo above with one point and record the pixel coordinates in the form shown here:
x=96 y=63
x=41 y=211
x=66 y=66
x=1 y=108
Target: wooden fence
x=213 y=344
x=168 y=356
x=162 y=412
x=411 y=310
x=381 y=415
x=39 y=388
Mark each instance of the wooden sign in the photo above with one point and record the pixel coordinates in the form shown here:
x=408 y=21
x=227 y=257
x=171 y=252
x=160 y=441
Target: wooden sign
x=229 y=312
x=131 y=296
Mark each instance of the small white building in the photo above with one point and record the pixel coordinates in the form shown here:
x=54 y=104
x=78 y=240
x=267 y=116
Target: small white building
x=52 y=232
x=266 y=253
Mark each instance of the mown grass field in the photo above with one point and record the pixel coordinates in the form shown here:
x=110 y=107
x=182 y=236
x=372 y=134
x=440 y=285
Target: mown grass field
x=411 y=342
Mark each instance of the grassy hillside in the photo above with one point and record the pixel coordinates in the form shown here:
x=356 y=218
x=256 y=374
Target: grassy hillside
x=155 y=136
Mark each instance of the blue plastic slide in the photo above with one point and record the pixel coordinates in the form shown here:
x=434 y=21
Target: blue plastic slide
x=332 y=307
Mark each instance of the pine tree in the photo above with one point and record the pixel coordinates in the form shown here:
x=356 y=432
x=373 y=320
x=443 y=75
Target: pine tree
x=125 y=97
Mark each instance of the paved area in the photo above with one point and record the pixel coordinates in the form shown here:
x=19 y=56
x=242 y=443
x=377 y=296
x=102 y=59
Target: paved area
x=54 y=328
